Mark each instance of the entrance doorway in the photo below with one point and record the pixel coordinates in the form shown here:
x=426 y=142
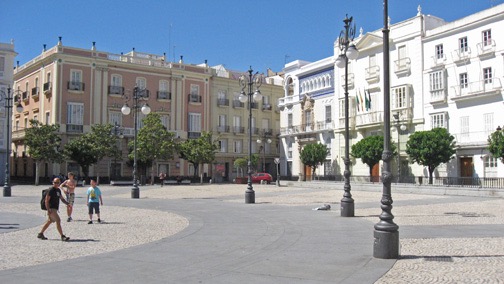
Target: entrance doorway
x=466 y=170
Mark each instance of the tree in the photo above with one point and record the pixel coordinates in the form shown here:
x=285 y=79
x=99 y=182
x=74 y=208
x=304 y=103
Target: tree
x=431 y=148
x=43 y=144
x=92 y=147
x=199 y=151
x=154 y=142
x=241 y=163
x=313 y=154
x=370 y=150
x=496 y=144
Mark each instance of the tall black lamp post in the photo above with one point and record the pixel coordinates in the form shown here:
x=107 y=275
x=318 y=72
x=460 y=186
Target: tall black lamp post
x=117 y=132
x=386 y=232
x=250 y=80
x=7 y=98
x=138 y=95
x=399 y=128
x=348 y=52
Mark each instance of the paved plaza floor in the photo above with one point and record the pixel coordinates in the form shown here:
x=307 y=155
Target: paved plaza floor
x=207 y=234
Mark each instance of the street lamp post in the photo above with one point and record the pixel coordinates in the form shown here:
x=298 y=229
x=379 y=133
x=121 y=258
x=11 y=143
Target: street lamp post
x=8 y=97
x=250 y=80
x=399 y=128
x=348 y=52
x=386 y=232
x=117 y=132
x=138 y=94
x=264 y=140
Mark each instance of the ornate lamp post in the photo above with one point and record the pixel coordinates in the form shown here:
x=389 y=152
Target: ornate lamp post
x=264 y=140
x=386 y=234
x=7 y=98
x=116 y=131
x=399 y=128
x=138 y=94
x=348 y=52
x=250 y=80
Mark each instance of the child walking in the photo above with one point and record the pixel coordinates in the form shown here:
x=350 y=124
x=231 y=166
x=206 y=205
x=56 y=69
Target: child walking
x=94 y=200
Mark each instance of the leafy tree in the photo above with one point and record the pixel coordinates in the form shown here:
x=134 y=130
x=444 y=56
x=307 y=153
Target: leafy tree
x=241 y=164
x=92 y=147
x=370 y=150
x=199 y=151
x=43 y=144
x=496 y=144
x=154 y=142
x=313 y=154
x=431 y=148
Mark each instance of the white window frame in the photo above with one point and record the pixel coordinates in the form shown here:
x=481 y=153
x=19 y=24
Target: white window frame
x=439 y=119
x=486 y=37
x=463 y=80
x=463 y=48
x=487 y=75
x=400 y=97
x=194 y=122
x=115 y=116
x=439 y=51
x=116 y=80
x=141 y=83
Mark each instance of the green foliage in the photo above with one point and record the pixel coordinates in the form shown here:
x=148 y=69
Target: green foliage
x=313 y=154
x=199 y=151
x=431 y=148
x=496 y=144
x=241 y=163
x=43 y=144
x=370 y=150
x=154 y=142
x=92 y=147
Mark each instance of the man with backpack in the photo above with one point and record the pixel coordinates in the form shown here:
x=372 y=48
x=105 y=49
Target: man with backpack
x=52 y=200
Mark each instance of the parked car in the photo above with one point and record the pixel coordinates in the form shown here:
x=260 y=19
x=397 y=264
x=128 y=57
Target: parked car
x=258 y=177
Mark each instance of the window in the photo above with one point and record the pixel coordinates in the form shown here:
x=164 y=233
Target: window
x=436 y=81
x=265 y=124
x=464 y=128
x=438 y=120
x=463 y=45
x=194 y=122
x=237 y=146
x=402 y=52
x=487 y=37
x=237 y=124
x=439 y=51
x=489 y=123
x=487 y=75
x=26 y=122
x=165 y=120
x=399 y=97
x=194 y=95
x=463 y=80
x=47 y=118
x=163 y=86
x=222 y=120
x=327 y=168
x=289 y=149
x=48 y=78
x=289 y=120
x=17 y=125
x=115 y=117
x=75 y=113
x=221 y=95
x=308 y=120
x=223 y=145
x=491 y=162
x=116 y=80
x=328 y=115
x=265 y=100
x=141 y=83
x=76 y=76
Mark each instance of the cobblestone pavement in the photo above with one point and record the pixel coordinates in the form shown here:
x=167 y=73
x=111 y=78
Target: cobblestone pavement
x=469 y=252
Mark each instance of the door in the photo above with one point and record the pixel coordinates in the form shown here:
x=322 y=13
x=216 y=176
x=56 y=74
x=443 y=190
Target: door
x=308 y=173
x=375 y=173
x=466 y=170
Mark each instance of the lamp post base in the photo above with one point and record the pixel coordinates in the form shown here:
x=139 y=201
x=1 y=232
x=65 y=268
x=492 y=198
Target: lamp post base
x=249 y=196
x=135 y=192
x=277 y=182
x=6 y=191
x=386 y=244
x=347 y=209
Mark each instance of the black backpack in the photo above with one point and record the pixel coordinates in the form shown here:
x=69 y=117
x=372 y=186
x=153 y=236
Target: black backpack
x=42 y=201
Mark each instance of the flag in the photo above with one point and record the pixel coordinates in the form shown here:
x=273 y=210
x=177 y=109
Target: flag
x=367 y=100
x=362 y=101
x=357 y=101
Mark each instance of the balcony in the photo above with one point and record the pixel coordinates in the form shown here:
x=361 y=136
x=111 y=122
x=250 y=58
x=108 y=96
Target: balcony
x=194 y=98
x=25 y=96
x=237 y=103
x=47 y=88
x=75 y=86
x=72 y=128
x=369 y=118
x=461 y=55
x=486 y=48
x=255 y=130
x=438 y=60
x=373 y=74
x=193 y=135
x=402 y=66
x=479 y=89
x=254 y=105
x=438 y=96
x=267 y=107
x=267 y=132
x=351 y=81
x=222 y=102
x=163 y=95
x=324 y=125
x=18 y=134
x=238 y=129
x=115 y=90
x=223 y=128
x=473 y=138
x=35 y=93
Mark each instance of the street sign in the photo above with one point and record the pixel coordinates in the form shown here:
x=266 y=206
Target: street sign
x=277 y=161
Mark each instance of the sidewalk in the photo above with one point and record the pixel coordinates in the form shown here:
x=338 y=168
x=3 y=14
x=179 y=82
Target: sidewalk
x=206 y=234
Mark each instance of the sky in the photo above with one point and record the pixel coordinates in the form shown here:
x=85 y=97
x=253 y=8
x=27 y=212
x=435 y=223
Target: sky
x=237 y=34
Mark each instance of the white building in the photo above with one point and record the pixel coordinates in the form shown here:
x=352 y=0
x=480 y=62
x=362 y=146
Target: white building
x=441 y=74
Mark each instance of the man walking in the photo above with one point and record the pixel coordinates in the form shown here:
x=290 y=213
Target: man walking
x=52 y=200
x=94 y=200
x=161 y=178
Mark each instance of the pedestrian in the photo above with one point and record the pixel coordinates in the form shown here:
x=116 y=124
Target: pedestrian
x=162 y=177
x=68 y=187
x=52 y=200
x=94 y=200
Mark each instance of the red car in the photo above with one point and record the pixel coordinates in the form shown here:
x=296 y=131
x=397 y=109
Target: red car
x=259 y=177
